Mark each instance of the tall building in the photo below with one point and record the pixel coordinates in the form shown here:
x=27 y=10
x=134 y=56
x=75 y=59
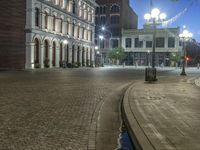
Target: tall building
x=138 y=46
x=45 y=33
x=114 y=16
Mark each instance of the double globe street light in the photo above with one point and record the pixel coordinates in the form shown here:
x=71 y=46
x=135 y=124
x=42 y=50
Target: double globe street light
x=153 y=19
x=185 y=36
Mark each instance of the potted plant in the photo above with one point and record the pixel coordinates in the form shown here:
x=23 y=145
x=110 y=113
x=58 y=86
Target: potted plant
x=46 y=62
x=36 y=64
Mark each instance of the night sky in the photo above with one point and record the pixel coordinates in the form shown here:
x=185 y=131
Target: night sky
x=189 y=18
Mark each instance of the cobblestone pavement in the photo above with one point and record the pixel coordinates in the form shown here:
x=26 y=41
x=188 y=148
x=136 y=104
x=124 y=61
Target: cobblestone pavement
x=53 y=109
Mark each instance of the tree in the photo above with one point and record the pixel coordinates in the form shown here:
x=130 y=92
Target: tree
x=176 y=57
x=116 y=54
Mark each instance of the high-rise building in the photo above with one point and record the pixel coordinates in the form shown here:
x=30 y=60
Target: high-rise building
x=45 y=33
x=112 y=16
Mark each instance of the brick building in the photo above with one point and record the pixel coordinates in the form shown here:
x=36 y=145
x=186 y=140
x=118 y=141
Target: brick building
x=43 y=33
x=114 y=15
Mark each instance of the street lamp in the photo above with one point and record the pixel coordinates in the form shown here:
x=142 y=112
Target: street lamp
x=185 y=36
x=148 y=58
x=153 y=19
x=103 y=28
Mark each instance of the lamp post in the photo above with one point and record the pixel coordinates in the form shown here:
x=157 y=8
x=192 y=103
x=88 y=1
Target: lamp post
x=103 y=28
x=101 y=37
x=153 y=19
x=148 y=58
x=185 y=36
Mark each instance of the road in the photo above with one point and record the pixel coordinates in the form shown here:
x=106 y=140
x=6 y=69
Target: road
x=60 y=109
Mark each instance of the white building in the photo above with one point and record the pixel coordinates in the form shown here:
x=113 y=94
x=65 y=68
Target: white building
x=138 y=44
x=59 y=30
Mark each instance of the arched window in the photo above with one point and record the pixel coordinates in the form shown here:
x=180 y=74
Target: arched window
x=74 y=7
x=46 y=20
x=46 y=46
x=73 y=49
x=73 y=29
x=54 y=23
x=61 y=51
x=36 y=51
x=37 y=17
x=54 y=54
x=115 y=9
x=61 y=22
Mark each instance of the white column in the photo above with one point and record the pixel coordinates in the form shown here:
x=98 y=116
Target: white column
x=166 y=42
x=89 y=57
x=76 y=31
x=70 y=5
x=84 y=57
x=50 y=56
x=70 y=53
x=30 y=55
x=70 y=29
x=58 y=55
x=80 y=32
x=43 y=21
x=75 y=54
x=93 y=55
x=50 y=23
x=63 y=51
x=80 y=56
x=41 y=59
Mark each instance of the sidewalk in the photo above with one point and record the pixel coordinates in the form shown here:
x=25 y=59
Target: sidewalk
x=164 y=115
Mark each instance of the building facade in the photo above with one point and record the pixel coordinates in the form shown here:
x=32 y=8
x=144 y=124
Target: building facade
x=51 y=32
x=113 y=15
x=138 y=46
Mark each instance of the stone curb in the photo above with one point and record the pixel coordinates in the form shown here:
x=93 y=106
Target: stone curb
x=141 y=142
x=197 y=82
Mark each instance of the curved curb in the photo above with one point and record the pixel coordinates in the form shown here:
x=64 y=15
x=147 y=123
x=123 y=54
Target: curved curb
x=141 y=142
x=197 y=82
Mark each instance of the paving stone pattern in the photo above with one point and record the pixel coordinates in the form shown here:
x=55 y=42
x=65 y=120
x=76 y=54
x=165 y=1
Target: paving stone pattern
x=52 y=110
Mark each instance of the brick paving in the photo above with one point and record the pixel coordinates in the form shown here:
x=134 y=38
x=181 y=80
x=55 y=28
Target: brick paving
x=52 y=110
x=164 y=115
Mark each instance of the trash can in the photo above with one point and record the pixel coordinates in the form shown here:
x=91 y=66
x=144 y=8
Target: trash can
x=150 y=74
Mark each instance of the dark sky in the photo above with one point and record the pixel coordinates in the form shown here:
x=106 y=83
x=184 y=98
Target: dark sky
x=190 y=18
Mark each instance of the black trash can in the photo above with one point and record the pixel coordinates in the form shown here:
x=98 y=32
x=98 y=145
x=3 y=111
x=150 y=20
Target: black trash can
x=150 y=74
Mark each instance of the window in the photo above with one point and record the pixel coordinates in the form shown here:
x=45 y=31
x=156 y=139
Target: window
x=61 y=25
x=114 y=19
x=73 y=29
x=115 y=9
x=101 y=10
x=97 y=10
x=102 y=45
x=74 y=7
x=104 y=9
x=36 y=51
x=37 y=17
x=61 y=51
x=46 y=20
x=54 y=23
x=149 y=44
x=103 y=20
x=171 y=42
x=115 y=43
x=128 y=43
x=160 y=42
x=138 y=44
x=97 y=20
